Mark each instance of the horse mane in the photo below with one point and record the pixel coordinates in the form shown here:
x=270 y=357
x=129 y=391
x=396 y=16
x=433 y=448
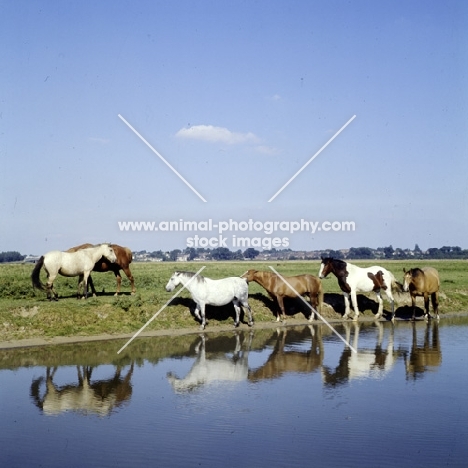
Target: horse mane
x=333 y=260
x=191 y=274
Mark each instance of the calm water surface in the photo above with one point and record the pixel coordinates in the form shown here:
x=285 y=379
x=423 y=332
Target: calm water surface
x=286 y=397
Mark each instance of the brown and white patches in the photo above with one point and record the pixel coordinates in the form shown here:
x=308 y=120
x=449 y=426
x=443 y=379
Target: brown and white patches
x=378 y=280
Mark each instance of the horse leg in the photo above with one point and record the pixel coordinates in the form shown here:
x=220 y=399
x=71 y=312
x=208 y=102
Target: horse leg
x=119 y=282
x=281 y=306
x=80 y=285
x=355 y=306
x=245 y=305
x=347 y=308
x=51 y=293
x=235 y=301
x=202 y=312
x=197 y=312
x=85 y=283
x=91 y=285
x=392 y=304
x=435 y=303
x=313 y=305
x=130 y=278
x=380 y=309
x=427 y=315
x=413 y=305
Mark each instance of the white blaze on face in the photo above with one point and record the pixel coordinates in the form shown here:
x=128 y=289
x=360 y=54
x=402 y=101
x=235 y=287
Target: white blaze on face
x=322 y=265
x=406 y=284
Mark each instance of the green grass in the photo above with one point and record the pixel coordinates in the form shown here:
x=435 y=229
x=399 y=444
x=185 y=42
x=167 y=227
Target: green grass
x=25 y=313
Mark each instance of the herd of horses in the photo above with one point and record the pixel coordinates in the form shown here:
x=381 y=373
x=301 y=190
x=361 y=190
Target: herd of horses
x=82 y=260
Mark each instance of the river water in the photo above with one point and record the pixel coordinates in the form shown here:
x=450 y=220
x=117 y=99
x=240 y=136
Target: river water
x=282 y=397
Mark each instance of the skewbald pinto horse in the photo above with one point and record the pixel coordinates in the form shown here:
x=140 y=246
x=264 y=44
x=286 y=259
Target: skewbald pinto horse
x=353 y=279
x=124 y=258
x=278 y=289
x=423 y=282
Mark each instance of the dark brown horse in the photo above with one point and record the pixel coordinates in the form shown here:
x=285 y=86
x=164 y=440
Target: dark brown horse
x=278 y=289
x=124 y=258
x=423 y=282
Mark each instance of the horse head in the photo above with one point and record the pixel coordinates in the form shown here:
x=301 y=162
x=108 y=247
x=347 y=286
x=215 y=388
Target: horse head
x=410 y=277
x=249 y=275
x=326 y=267
x=108 y=252
x=173 y=282
x=332 y=265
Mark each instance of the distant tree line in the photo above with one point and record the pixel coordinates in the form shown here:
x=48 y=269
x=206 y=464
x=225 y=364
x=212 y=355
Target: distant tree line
x=191 y=253
x=354 y=253
x=389 y=253
x=11 y=256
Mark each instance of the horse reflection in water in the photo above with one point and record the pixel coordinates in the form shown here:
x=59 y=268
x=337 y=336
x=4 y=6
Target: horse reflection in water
x=221 y=367
x=367 y=362
x=99 y=397
x=283 y=360
x=426 y=356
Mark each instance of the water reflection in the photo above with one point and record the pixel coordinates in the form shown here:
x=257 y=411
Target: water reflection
x=284 y=360
x=86 y=396
x=224 y=358
x=425 y=356
x=368 y=362
x=222 y=366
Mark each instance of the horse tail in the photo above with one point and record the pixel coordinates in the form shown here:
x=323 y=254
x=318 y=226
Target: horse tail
x=36 y=281
x=129 y=254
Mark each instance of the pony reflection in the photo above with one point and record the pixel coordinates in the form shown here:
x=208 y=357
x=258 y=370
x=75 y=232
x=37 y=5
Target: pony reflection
x=283 y=360
x=98 y=397
x=221 y=367
x=426 y=356
x=365 y=363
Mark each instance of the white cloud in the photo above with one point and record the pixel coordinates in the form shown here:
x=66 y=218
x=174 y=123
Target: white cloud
x=216 y=135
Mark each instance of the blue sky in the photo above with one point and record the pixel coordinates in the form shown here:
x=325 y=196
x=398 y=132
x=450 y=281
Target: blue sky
x=237 y=96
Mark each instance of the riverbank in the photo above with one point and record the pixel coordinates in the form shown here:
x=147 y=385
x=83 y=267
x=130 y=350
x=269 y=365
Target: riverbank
x=27 y=318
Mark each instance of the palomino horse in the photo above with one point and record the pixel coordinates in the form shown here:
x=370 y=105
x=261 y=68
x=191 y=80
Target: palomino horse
x=124 y=258
x=353 y=279
x=423 y=282
x=78 y=263
x=279 y=289
x=206 y=291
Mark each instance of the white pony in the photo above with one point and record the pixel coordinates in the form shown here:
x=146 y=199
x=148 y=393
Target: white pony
x=206 y=291
x=79 y=263
x=353 y=279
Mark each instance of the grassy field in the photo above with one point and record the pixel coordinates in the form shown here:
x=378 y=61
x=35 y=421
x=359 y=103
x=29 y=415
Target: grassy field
x=25 y=313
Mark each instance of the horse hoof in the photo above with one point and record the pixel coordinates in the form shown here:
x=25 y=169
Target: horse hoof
x=251 y=324
x=236 y=325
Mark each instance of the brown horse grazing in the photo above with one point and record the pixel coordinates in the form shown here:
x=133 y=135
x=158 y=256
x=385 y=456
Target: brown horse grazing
x=423 y=282
x=278 y=289
x=124 y=258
